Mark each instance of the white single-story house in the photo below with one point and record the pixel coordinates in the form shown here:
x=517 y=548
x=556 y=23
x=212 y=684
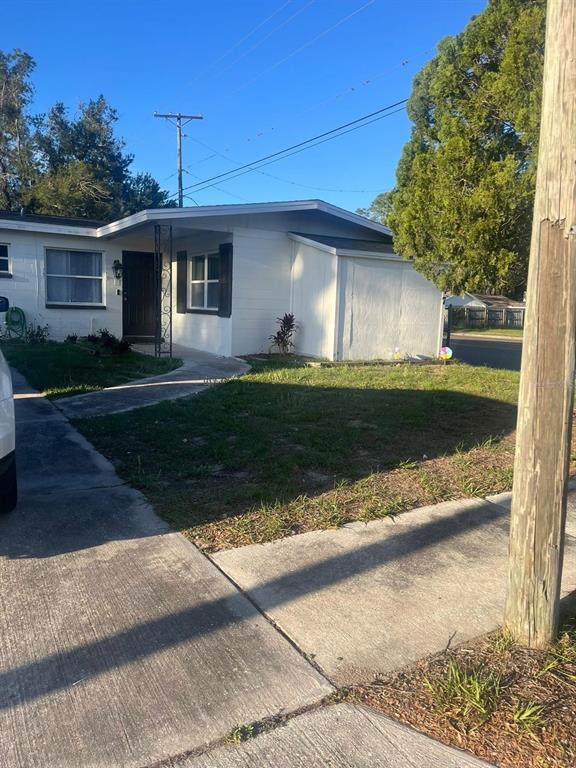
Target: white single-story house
x=216 y=278
x=480 y=310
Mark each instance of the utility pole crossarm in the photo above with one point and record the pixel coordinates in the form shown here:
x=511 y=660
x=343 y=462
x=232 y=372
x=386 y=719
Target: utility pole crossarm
x=180 y=121
x=178 y=116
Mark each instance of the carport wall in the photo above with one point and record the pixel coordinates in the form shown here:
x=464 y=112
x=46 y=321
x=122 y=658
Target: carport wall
x=361 y=306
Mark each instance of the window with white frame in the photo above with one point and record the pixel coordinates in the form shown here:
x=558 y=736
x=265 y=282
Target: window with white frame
x=204 y=282
x=4 y=259
x=74 y=277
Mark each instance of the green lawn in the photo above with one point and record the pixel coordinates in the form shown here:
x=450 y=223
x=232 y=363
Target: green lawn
x=519 y=332
x=61 y=370
x=287 y=448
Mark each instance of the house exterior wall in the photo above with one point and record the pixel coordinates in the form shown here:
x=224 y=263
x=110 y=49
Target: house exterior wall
x=27 y=287
x=313 y=287
x=209 y=333
x=260 y=287
x=385 y=308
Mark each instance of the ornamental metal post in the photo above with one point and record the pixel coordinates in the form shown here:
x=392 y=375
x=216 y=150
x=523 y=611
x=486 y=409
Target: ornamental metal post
x=163 y=290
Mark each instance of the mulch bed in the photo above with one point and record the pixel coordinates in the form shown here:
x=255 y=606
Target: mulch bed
x=543 y=680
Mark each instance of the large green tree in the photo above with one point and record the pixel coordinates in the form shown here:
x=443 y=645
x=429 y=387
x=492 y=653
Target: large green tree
x=17 y=168
x=462 y=203
x=85 y=169
x=61 y=164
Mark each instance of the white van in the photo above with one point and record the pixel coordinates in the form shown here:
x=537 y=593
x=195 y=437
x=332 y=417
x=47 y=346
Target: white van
x=8 y=484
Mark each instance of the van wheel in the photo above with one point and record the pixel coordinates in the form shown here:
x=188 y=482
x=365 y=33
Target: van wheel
x=8 y=489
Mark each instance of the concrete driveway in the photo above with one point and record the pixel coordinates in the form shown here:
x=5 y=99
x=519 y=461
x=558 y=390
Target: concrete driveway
x=121 y=644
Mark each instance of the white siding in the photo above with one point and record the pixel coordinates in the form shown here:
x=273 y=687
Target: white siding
x=386 y=306
x=27 y=287
x=260 y=287
x=314 y=278
x=209 y=333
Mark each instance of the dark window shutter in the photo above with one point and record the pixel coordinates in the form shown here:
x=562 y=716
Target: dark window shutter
x=181 y=281
x=225 y=306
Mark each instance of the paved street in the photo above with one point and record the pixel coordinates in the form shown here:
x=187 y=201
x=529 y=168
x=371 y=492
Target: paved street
x=491 y=352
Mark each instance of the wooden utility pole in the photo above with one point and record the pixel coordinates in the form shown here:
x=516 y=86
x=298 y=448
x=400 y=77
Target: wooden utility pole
x=176 y=118
x=547 y=379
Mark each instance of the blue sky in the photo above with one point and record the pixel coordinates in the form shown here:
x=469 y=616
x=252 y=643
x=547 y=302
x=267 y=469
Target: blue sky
x=265 y=74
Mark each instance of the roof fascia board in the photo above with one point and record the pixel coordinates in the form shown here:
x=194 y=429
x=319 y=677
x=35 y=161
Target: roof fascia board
x=372 y=255
x=313 y=243
x=52 y=229
x=174 y=214
x=207 y=211
x=355 y=218
x=347 y=251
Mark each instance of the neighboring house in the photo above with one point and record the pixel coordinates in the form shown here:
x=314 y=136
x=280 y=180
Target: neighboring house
x=218 y=277
x=482 y=301
x=479 y=310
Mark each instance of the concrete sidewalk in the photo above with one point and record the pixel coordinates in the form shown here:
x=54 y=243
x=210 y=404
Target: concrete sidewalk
x=340 y=736
x=371 y=598
x=198 y=371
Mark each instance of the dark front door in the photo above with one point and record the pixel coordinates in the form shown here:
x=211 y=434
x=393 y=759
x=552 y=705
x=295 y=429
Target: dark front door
x=138 y=295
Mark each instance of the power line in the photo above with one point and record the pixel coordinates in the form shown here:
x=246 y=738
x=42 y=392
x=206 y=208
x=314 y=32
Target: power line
x=302 y=47
x=243 y=39
x=220 y=189
x=368 y=81
x=271 y=175
x=263 y=39
x=198 y=188
x=306 y=141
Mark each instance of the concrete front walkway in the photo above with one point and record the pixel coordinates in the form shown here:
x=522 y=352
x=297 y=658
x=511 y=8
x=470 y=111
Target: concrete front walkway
x=198 y=371
x=371 y=598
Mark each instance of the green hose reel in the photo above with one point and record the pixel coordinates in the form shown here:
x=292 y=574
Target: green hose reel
x=15 y=323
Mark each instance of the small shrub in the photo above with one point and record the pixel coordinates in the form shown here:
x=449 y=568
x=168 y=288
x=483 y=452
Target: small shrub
x=282 y=339
x=122 y=347
x=529 y=717
x=503 y=641
x=36 y=334
x=103 y=340
x=467 y=696
x=106 y=339
x=72 y=338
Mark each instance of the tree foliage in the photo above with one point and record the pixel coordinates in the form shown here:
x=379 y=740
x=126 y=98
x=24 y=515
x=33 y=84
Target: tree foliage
x=379 y=208
x=63 y=165
x=16 y=150
x=465 y=182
